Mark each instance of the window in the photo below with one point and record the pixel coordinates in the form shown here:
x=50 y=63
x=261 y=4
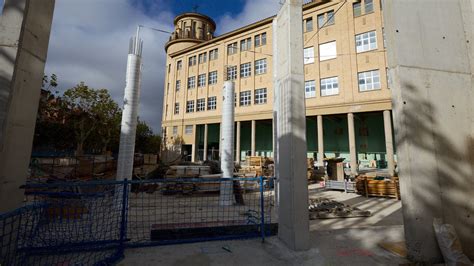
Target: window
x=369 y=6
x=212 y=103
x=246 y=44
x=261 y=66
x=326 y=19
x=231 y=72
x=261 y=39
x=179 y=65
x=232 y=48
x=369 y=80
x=201 y=105
x=190 y=106
x=357 y=9
x=202 y=80
x=310 y=89
x=327 y=51
x=212 y=77
x=191 y=82
x=309 y=55
x=192 y=61
x=235 y=99
x=175 y=131
x=213 y=54
x=309 y=24
x=329 y=86
x=178 y=85
x=245 y=98
x=261 y=96
x=202 y=58
x=245 y=70
x=176 y=108
x=366 y=41
x=188 y=129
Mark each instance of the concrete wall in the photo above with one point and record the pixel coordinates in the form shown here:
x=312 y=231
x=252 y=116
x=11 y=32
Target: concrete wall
x=431 y=62
x=24 y=37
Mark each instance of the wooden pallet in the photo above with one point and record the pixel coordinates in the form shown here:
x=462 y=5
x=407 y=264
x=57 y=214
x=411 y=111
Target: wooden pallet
x=369 y=187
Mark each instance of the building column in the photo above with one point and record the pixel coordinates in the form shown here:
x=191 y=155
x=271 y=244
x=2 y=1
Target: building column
x=352 y=143
x=320 y=142
x=204 y=155
x=252 y=144
x=237 y=148
x=387 y=122
x=193 y=149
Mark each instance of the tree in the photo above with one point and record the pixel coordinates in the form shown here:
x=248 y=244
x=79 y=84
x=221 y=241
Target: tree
x=90 y=109
x=146 y=141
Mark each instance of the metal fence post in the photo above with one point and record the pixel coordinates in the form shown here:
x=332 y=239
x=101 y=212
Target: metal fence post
x=262 y=210
x=123 y=225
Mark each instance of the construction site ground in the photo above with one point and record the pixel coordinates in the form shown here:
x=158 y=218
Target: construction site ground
x=340 y=241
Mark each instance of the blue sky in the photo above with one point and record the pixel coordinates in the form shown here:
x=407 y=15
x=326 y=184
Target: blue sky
x=89 y=41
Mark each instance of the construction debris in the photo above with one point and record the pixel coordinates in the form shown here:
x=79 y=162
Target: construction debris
x=323 y=208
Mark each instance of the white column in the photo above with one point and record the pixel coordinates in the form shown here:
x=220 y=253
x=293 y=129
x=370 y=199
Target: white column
x=252 y=143
x=206 y=130
x=227 y=144
x=387 y=122
x=320 y=141
x=237 y=148
x=291 y=150
x=352 y=143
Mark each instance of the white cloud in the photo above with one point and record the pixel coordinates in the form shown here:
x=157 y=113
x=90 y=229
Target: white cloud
x=89 y=42
x=253 y=11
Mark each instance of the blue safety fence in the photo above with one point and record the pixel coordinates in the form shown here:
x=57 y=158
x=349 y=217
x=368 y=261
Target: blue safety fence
x=91 y=223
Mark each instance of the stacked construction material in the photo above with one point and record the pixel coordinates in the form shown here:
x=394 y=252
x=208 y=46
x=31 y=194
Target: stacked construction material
x=378 y=186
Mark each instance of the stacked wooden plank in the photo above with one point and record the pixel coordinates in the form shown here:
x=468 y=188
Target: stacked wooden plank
x=371 y=186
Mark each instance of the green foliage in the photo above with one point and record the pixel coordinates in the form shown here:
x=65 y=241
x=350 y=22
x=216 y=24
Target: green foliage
x=146 y=141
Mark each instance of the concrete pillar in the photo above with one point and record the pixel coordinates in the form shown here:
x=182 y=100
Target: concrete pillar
x=352 y=143
x=193 y=149
x=206 y=130
x=290 y=110
x=387 y=123
x=237 y=148
x=252 y=141
x=433 y=95
x=226 y=196
x=320 y=141
x=25 y=28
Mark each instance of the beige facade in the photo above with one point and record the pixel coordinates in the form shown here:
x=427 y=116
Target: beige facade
x=347 y=46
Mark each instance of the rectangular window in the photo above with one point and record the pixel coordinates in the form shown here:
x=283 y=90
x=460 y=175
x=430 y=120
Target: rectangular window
x=179 y=65
x=190 y=106
x=369 y=80
x=368 y=6
x=331 y=18
x=309 y=24
x=191 y=82
x=357 y=9
x=310 y=89
x=321 y=20
x=202 y=80
x=212 y=77
x=327 y=51
x=264 y=38
x=260 y=96
x=329 y=86
x=257 y=41
x=246 y=44
x=231 y=72
x=326 y=19
x=192 y=61
x=212 y=103
x=245 y=98
x=261 y=39
x=366 y=41
x=232 y=48
x=175 y=131
x=202 y=58
x=188 y=129
x=245 y=70
x=176 y=108
x=213 y=54
x=309 y=55
x=201 y=105
x=261 y=66
x=178 y=85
